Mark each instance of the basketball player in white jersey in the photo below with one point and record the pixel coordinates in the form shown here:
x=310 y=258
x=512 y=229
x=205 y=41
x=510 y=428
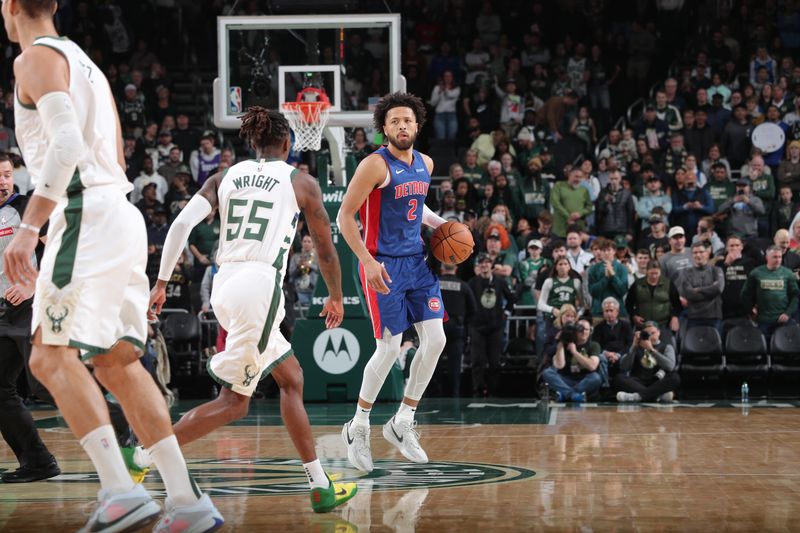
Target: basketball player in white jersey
x=259 y=202
x=91 y=292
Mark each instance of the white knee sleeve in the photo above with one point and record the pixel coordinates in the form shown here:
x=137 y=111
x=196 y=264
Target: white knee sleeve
x=431 y=344
x=386 y=353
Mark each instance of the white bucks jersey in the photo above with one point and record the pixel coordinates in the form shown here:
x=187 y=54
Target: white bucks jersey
x=94 y=105
x=258 y=212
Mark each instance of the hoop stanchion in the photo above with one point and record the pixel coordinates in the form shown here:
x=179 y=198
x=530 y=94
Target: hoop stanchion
x=307 y=120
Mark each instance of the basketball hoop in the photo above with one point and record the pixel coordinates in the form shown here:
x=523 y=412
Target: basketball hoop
x=307 y=118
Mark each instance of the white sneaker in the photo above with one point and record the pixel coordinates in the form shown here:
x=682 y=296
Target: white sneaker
x=628 y=397
x=405 y=437
x=667 y=397
x=356 y=438
x=122 y=512
x=201 y=517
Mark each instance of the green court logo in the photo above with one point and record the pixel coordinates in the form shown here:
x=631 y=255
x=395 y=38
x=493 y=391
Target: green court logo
x=277 y=477
x=336 y=351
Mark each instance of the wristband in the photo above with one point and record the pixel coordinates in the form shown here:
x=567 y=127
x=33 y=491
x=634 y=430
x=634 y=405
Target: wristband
x=29 y=227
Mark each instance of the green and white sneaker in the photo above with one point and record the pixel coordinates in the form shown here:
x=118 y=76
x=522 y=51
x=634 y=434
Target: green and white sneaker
x=326 y=500
x=133 y=457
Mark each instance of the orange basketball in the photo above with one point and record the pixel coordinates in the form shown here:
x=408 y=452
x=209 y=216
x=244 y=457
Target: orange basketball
x=452 y=243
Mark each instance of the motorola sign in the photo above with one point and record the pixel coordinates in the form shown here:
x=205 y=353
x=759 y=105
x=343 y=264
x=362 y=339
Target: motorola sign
x=336 y=351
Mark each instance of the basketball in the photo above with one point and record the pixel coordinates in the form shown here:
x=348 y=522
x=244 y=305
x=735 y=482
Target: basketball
x=452 y=243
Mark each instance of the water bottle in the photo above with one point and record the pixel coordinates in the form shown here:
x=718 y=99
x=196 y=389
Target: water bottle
x=745 y=392
x=545 y=396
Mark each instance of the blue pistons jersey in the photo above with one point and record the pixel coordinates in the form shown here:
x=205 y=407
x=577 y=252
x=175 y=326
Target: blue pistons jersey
x=391 y=220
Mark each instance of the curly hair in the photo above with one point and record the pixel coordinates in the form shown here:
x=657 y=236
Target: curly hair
x=35 y=8
x=263 y=128
x=393 y=100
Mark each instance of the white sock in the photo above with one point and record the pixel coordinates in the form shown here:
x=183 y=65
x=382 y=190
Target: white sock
x=142 y=457
x=167 y=456
x=405 y=413
x=362 y=416
x=101 y=445
x=316 y=475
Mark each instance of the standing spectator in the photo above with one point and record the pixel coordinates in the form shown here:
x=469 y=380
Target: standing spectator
x=690 y=204
x=185 y=136
x=511 y=107
x=743 y=211
x=554 y=113
x=570 y=202
x=204 y=160
x=668 y=112
x=771 y=291
x=735 y=141
x=612 y=334
x=529 y=270
x=533 y=192
x=615 y=209
x=148 y=202
x=700 y=288
x=656 y=238
x=202 y=241
x=706 y=235
x=177 y=290
x=652 y=129
x=459 y=302
x=486 y=330
x=642 y=45
x=169 y=168
x=763 y=186
x=678 y=258
x=675 y=156
x=700 y=138
x=720 y=188
x=573 y=372
x=132 y=111
x=715 y=157
x=561 y=287
x=647 y=371
x=652 y=197
x=477 y=62
x=654 y=298
x=789 y=169
x=304 y=271
x=735 y=268
x=783 y=211
x=584 y=129
x=579 y=259
x=607 y=278
x=444 y=98
x=602 y=74
x=16 y=313
x=504 y=262
x=763 y=60
x=7 y=138
x=163 y=148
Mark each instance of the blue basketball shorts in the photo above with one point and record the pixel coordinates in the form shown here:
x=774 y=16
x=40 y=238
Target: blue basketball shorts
x=414 y=295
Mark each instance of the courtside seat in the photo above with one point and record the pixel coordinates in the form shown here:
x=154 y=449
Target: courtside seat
x=785 y=351
x=701 y=352
x=746 y=351
x=182 y=333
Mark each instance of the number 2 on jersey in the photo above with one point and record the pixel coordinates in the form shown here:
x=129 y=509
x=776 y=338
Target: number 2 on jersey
x=254 y=228
x=412 y=207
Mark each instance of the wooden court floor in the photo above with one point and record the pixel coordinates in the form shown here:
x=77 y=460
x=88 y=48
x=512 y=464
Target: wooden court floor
x=501 y=466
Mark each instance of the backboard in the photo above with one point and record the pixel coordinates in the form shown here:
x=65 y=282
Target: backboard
x=267 y=60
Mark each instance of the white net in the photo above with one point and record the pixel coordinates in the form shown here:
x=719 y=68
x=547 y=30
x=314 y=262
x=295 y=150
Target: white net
x=307 y=120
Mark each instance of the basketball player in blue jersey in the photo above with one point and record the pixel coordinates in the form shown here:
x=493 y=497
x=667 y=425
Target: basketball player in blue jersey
x=388 y=191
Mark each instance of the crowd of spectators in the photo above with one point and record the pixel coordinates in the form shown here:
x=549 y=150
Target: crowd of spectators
x=660 y=230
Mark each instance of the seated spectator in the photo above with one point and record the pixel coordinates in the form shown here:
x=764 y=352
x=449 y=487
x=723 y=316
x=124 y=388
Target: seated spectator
x=784 y=209
x=715 y=158
x=472 y=170
x=608 y=278
x=700 y=288
x=647 y=371
x=789 y=169
x=304 y=271
x=169 y=167
x=742 y=211
x=612 y=334
x=148 y=203
x=573 y=372
x=149 y=175
x=571 y=203
x=735 y=268
x=691 y=168
x=707 y=235
x=675 y=155
x=654 y=298
x=543 y=230
x=522 y=236
x=652 y=196
x=652 y=129
x=678 y=258
x=771 y=292
x=205 y=159
x=667 y=112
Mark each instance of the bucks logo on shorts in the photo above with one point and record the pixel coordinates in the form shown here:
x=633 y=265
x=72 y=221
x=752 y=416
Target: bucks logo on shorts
x=56 y=317
x=248 y=376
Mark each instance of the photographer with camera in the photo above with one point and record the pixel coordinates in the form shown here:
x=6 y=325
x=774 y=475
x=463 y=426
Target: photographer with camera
x=573 y=373
x=16 y=423
x=647 y=371
x=742 y=211
x=494 y=299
